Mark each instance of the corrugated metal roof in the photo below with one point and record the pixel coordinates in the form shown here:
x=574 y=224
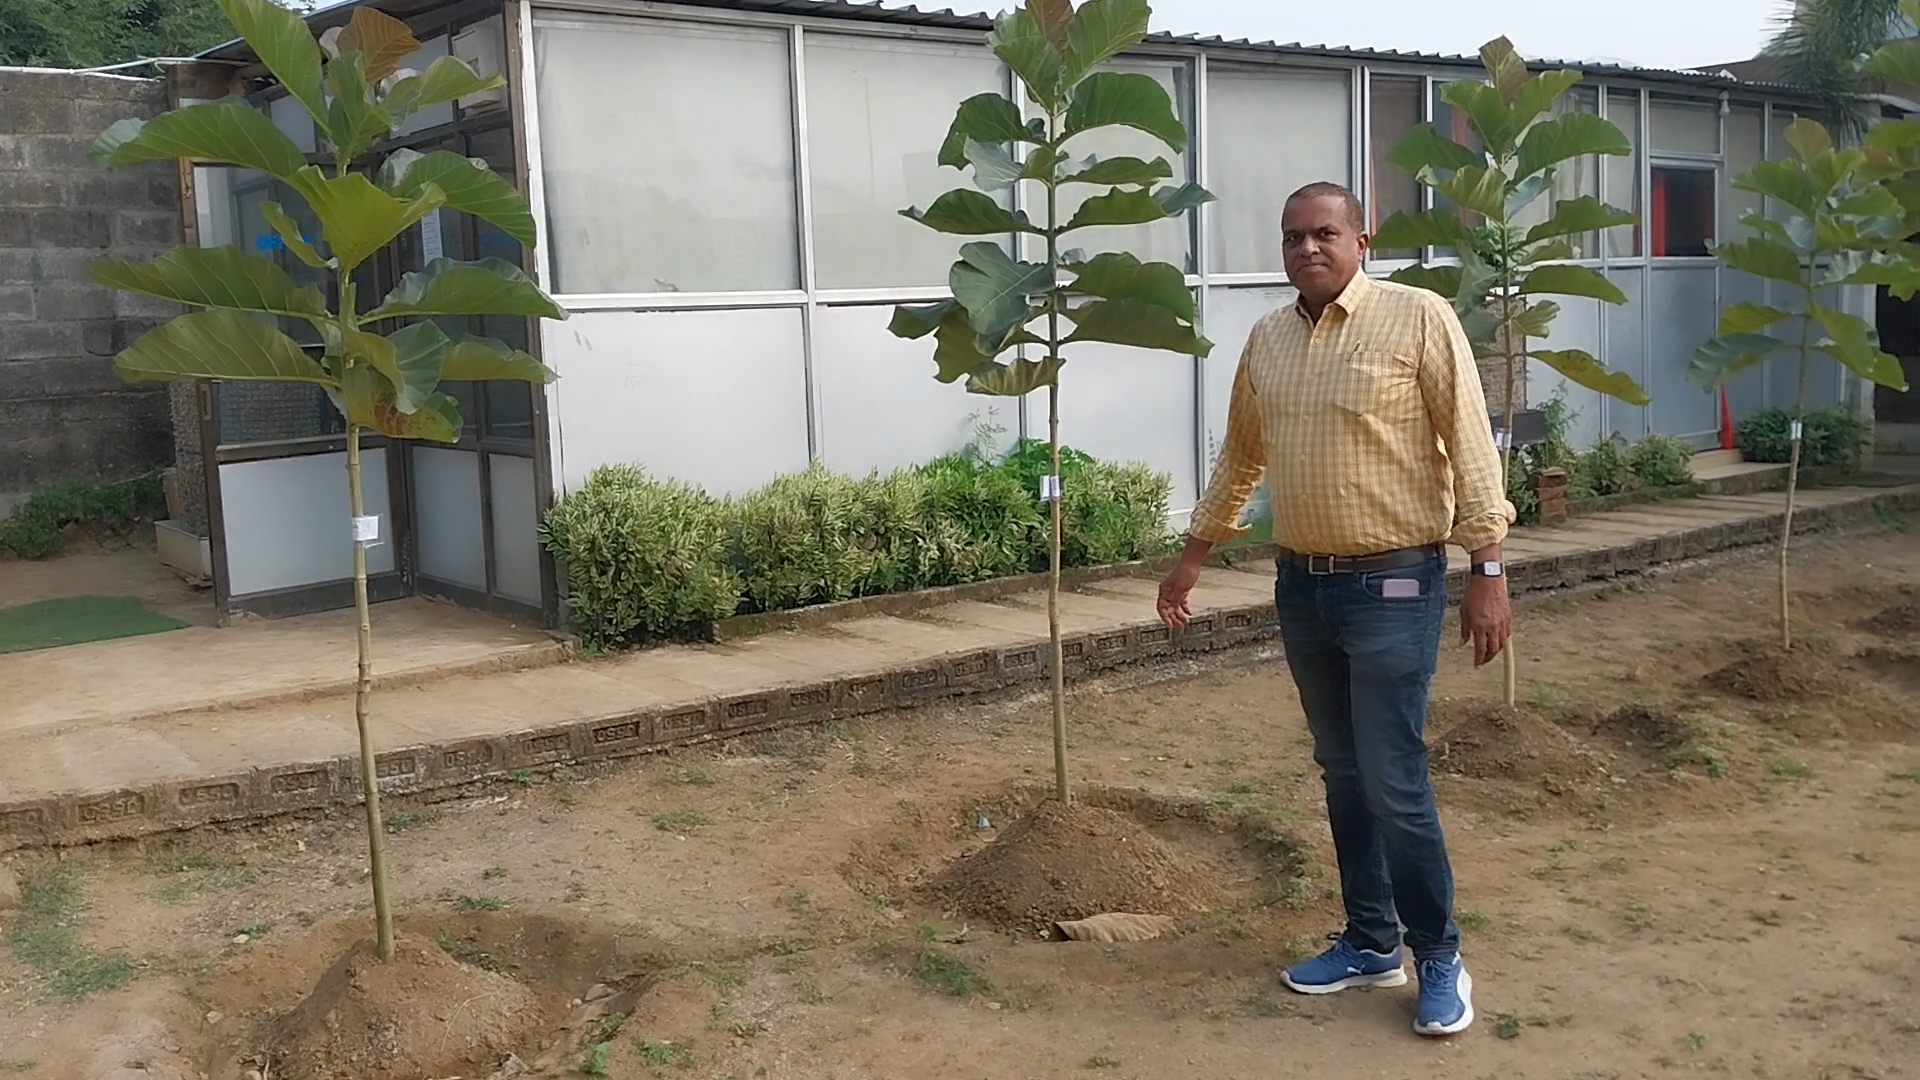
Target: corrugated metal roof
x=873 y=11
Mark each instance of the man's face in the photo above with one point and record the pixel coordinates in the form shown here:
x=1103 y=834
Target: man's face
x=1323 y=249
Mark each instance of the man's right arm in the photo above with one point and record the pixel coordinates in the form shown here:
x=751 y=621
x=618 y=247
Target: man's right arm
x=1217 y=516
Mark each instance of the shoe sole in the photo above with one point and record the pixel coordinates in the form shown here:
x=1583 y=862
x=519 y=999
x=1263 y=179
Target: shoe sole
x=1458 y=1026
x=1396 y=977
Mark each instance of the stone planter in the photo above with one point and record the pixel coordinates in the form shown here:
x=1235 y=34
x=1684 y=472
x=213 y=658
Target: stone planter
x=1551 y=486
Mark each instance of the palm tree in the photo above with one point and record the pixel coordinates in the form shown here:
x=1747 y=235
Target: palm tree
x=1823 y=45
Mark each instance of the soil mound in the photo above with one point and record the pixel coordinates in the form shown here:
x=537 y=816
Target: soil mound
x=1898 y=621
x=1492 y=741
x=1899 y=669
x=1061 y=863
x=423 y=1014
x=1769 y=674
x=1645 y=727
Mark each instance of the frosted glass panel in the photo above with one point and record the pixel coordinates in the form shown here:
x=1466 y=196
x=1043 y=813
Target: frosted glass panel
x=880 y=407
x=1623 y=174
x=516 y=521
x=668 y=156
x=1268 y=133
x=1747 y=393
x=1126 y=404
x=289 y=521
x=1396 y=110
x=877 y=112
x=714 y=398
x=446 y=511
x=1576 y=327
x=1684 y=315
x=1745 y=132
x=1686 y=127
x=1571 y=179
x=1168 y=241
x=294 y=122
x=1627 y=351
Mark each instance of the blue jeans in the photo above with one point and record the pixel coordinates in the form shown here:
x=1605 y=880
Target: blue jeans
x=1363 y=662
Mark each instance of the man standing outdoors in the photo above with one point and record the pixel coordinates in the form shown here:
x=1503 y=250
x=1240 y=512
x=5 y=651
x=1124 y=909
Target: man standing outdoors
x=1361 y=406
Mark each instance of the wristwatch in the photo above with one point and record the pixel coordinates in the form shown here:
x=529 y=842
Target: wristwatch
x=1490 y=568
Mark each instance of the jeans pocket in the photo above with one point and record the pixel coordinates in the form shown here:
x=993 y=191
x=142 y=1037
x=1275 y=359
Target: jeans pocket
x=1412 y=585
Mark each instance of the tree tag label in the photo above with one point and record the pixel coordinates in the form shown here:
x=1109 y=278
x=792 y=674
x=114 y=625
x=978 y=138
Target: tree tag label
x=366 y=530
x=1793 y=431
x=1049 y=488
x=1502 y=439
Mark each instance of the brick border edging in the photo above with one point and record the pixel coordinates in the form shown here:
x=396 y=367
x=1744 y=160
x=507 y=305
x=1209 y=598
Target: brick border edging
x=409 y=770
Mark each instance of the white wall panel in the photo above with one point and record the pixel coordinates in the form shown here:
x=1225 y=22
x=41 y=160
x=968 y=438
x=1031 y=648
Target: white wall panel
x=1627 y=351
x=714 y=398
x=1747 y=393
x=880 y=407
x=1684 y=315
x=1124 y=404
x=516 y=524
x=447 y=524
x=1228 y=320
x=289 y=521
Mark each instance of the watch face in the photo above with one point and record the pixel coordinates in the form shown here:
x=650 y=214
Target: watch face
x=1488 y=569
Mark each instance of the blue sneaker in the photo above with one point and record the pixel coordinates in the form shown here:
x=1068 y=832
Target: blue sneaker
x=1446 y=997
x=1345 y=966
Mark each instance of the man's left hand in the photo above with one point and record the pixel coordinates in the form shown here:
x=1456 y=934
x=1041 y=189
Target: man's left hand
x=1486 y=618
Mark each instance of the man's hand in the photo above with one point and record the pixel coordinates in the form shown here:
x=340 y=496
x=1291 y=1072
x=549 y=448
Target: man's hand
x=1486 y=618
x=1174 y=591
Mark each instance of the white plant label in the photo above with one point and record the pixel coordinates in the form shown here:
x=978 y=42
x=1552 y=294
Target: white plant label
x=1049 y=488
x=1502 y=440
x=366 y=530
x=1793 y=431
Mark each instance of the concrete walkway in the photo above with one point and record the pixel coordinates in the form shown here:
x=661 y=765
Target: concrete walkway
x=100 y=773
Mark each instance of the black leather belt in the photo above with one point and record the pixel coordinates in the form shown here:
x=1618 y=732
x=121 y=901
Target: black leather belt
x=1321 y=565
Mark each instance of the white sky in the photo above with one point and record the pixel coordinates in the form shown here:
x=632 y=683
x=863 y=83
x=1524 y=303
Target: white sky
x=1645 y=33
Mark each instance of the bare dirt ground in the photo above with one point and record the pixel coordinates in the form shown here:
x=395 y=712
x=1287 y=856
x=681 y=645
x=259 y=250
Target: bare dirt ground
x=1685 y=853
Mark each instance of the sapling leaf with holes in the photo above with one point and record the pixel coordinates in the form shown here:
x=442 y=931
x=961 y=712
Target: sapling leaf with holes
x=383 y=369
x=1505 y=265
x=1024 y=289
x=1846 y=215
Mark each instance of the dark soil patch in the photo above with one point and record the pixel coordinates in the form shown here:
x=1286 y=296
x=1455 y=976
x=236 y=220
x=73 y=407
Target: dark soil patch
x=1061 y=862
x=1644 y=728
x=1492 y=741
x=1769 y=674
x=422 y=1014
x=1898 y=621
x=1901 y=670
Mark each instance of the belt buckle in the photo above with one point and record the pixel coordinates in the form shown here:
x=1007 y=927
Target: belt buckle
x=1320 y=565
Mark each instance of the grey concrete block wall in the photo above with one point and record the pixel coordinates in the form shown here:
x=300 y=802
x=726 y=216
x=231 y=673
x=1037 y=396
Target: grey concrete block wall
x=64 y=413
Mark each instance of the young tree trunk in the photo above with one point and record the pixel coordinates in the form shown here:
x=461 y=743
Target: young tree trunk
x=1509 y=666
x=362 y=692
x=1062 y=790
x=1796 y=439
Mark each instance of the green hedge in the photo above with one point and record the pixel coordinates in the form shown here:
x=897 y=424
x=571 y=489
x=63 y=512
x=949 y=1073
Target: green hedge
x=648 y=559
x=1829 y=437
x=1611 y=467
x=37 y=527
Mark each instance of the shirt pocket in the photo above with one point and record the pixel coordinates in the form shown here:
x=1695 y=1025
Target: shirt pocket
x=1375 y=382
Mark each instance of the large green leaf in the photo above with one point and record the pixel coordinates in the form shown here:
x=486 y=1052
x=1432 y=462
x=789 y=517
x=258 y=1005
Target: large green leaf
x=1550 y=251
x=957 y=350
x=288 y=230
x=1126 y=206
x=1506 y=70
x=1425 y=148
x=477 y=359
x=368 y=401
x=1897 y=272
x=1487 y=113
x=1120 y=276
x=1854 y=342
x=229 y=131
x=1524 y=193
x=915 y=321
x=1893 y=136
x=1055 y=19
x=994 y=287
x=1481 y=190
x=1580 y=368
x=1175 y=201
x=1428 y=228
x=1896 y=61
x=469 y=186
x=1535 y=320
x=1138 y=324
x=1564 y=138
x=993 y=168
x=1786 y=181
x=1444 y=280
x=987 y=118
x=1102 y=30
x=354 y=120
x=280 y=38
x=446 y=79
x=358 y=218
x=486 y=287
x=215 y=277
x=1723 y=357
x=1540 y=92
x=961 y=212
x=1022 y=45
x=1562 y=279
x=1111 y=172
x=1585 y=214
x=218 y=344
x=381 y=40
x=1109 y=99
x=409 y=360
x=1017 y=379
x=1763 y=257
x=1747 y=317
x=1808 y=138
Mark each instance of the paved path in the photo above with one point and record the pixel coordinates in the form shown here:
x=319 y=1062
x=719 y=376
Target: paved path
x=121 y=774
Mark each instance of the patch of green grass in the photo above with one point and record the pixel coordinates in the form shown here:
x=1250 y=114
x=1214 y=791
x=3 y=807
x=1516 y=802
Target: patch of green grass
x=470 y=955
x=254 y=930
x=468 y=905
x=1103 y=1061
x=1789 y=769
x=1264 y=1004
x=728 y=1019
x=16 y=1065
x=1473 y=921
x=1703 y=748
x=680 y=821
x=1510 y=1025
x=595 y=1061
x=1638 y=916
x=1890 y=518
x=808 y=992
x=404 y=821
x=1696 y=1042
x=187 y=874
x=45 y=936
x=695 y=777
x=1911 y=776
x=608 y=1026
x=944 y=973
x=662 y=1054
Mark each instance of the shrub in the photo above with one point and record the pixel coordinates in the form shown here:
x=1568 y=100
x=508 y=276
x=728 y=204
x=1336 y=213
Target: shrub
x=1603 y=470
x=981 y=522
x=644 y=558
x=1661 y=461
x=1113 y=513
x=1829 y=437
x=37 y=527
x=806 y=538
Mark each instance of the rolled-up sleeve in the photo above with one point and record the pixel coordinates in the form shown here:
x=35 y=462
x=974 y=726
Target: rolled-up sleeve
x=1457 y=407
x=1243 y=459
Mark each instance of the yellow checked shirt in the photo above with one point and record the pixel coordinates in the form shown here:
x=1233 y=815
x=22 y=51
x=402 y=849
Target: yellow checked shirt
x=1370 y=428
